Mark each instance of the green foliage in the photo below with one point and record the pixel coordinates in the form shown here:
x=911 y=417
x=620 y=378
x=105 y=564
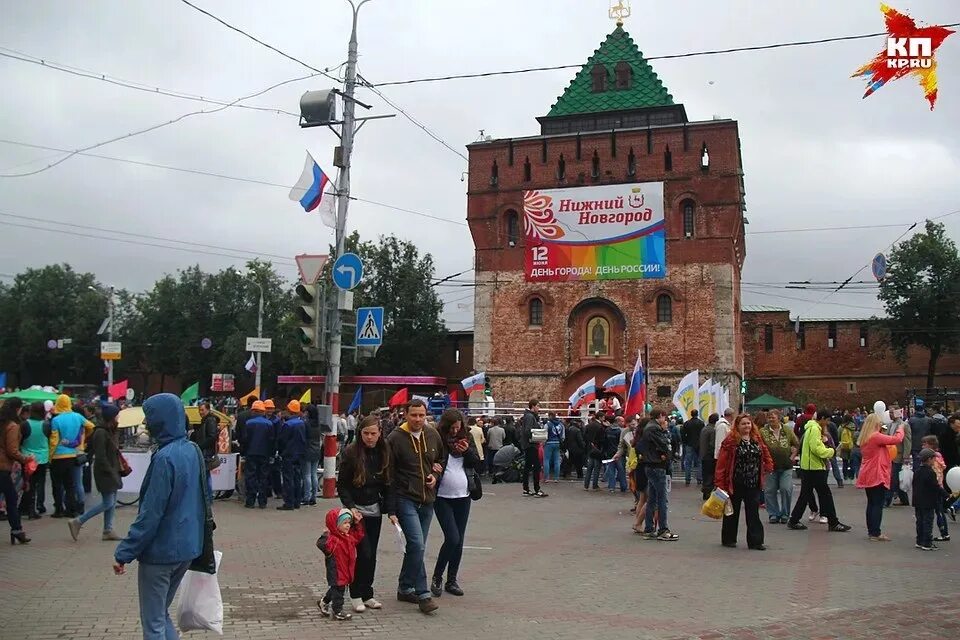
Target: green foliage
x=920 y=293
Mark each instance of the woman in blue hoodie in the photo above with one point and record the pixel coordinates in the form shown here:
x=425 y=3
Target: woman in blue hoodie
x=168 y=532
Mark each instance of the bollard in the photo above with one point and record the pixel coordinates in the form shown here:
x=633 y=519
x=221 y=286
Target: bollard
x=330 y=465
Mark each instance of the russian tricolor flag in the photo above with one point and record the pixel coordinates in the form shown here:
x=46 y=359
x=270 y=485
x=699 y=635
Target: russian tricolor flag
x=585 y=394
x=637 y=395
x=616 y=384
x=474 y=383
x=309 y=188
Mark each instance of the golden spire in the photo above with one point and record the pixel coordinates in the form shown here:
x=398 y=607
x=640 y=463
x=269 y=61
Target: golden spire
x=619 y=10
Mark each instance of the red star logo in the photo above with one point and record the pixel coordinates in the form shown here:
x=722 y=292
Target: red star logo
x=878 y=72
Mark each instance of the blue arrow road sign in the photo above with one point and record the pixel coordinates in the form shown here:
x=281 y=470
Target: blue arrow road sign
x=369 y=326
x=879 y=266
x=347 y=271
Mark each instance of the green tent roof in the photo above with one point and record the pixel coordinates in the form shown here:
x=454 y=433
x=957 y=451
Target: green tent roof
x=30 y=395
x=767 y=401
x=646 y=90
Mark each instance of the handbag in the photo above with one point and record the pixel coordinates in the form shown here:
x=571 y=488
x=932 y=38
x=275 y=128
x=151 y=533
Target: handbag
x=206 y=562
x=369 y=510
x=125 y=469
x=474 y=486
x=212 y=462
x=538 y=435
x=81 y=459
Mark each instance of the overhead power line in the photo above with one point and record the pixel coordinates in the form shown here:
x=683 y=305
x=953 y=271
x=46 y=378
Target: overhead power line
x=132 y=134
x=85 y=73
x=672 y=56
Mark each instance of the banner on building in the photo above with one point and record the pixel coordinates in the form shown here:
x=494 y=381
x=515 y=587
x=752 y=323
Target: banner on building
x=607 y=232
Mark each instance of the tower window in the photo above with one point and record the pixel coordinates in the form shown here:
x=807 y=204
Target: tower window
x=513 y=228
x=494 y=174
x=510 y=153
x=613 y=144
x=688 y=218
x=863 y=335
x=704 y=157
x=768 y=338
x=543 y=152
x=526 y=169
x=536 y=312
x=664 y=309
x=561 y=168
x=579 y=147
x=832 y=335
x=667 y=159
x=631 y=163
x=595 y=166
x=624 y=73
x=599 y=76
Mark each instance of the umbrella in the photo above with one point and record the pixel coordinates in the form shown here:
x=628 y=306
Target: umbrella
x=130 y=417
x=30 y=395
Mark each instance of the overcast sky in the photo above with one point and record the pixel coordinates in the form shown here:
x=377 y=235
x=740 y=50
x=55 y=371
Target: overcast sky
x=814 y=153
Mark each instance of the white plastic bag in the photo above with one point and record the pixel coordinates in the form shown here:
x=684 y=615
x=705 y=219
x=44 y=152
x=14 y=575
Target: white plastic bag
x=201 y=606
x=906 y=479
x=399 y=539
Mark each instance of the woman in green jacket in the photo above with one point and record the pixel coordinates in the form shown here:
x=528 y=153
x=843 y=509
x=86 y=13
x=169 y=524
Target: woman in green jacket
x=814 y=455
x=36 y=443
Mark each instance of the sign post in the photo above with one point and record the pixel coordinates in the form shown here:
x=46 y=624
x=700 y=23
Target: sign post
x=369 y=327
x=260 y=345
x=110 y=350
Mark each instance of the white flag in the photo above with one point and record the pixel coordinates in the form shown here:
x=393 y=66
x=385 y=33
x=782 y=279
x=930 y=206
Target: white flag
x=328 y=210
x=251 y=365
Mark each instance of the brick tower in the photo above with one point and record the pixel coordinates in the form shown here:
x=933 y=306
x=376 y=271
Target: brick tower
x=619 y=226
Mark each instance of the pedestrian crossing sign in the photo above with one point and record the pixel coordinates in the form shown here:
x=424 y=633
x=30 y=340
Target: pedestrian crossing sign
x=369 y=326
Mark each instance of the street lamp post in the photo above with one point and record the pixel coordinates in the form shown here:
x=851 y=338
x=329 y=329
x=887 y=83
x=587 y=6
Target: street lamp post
x=109 y=296
x=259 y=328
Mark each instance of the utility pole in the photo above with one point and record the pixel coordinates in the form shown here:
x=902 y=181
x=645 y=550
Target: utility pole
x=343 y=201
x=110 y=334
x=259 y=335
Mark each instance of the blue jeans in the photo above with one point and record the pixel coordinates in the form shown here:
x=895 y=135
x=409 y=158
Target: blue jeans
x=107 y=506
x=593 y=473
x=415 y=522
x=656 y=498
x=310 y=480
x=875 y=498
x=157 y=585
x=613 y=471
x=691 y=461
x=856 y=459
x=292 y=482
x=778 y=493
x=551 y=460
x=452 y=514
x=78 y=485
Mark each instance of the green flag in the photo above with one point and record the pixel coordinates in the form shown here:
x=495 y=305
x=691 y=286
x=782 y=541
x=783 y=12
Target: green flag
x=191 y=393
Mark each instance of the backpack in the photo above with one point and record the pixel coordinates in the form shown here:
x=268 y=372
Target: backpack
x=846 y=439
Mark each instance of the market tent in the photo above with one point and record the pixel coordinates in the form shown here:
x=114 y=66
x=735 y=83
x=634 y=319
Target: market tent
x=30 y=395
x=767 y=401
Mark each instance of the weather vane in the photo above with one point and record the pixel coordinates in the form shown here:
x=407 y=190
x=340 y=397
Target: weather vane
x=619 y=10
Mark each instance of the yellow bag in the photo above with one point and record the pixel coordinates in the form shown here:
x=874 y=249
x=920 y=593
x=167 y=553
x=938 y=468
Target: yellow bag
x=631 y=460
x=715 y=504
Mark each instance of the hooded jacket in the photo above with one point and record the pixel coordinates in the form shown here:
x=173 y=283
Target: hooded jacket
x=105 y=448
x=259 y=437
x=292 y=442
x=813 y=453
x=412 y=460
x=170 y=523
x=68 y=430
x=340 y=551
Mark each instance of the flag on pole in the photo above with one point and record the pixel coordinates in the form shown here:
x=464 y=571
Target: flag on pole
x=474 y=383
x=685 y=398
x=306 y=398
x=400 y=398
x=725 y=399
x=308 y=190
x=703 y=400
x=585 y=394
x=616 y=384
x=255 y=394
x=117 y=390
x=251 y=365
x=190 y=394
x=357 y=400
x=637 y=395
x=716 y=394
x=454 y=396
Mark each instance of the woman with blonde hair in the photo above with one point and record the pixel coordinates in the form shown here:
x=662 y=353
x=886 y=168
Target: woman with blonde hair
x=744 y=461
x=875 y=471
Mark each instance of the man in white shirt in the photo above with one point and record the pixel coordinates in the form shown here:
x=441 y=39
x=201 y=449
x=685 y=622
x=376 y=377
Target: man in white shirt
x=351 y=426
x=723 y=428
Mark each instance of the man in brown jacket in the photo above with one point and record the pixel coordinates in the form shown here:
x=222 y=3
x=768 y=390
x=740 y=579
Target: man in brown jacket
x=417 y=460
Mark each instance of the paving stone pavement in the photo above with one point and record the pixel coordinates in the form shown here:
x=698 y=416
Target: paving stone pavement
x=563 y=567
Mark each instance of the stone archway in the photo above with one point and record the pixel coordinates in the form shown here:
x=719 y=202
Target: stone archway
x=596 y=335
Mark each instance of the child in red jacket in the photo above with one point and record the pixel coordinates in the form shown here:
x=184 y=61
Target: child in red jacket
x=339 y=546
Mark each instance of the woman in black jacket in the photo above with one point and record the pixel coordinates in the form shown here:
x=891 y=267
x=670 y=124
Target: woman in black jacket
x=313 y=457
x=452 y=505
x=363 y=484
x=105 y=449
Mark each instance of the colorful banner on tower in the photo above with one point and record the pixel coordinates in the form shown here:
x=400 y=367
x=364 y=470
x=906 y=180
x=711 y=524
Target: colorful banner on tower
x=607 y=232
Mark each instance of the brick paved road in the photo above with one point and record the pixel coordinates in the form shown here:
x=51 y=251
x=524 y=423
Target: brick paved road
x=562 y=567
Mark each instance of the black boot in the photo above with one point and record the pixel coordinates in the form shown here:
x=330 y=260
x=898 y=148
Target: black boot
x=452 y=587
x=436 y=586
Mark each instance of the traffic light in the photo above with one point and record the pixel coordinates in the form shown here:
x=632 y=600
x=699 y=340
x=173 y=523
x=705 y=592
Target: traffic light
x=308 y=315
x=486 y=386
x=743 y=386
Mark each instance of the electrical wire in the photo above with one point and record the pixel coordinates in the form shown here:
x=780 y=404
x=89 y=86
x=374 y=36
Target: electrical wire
x=152 y=128
x=13 y=54
x=691 y=54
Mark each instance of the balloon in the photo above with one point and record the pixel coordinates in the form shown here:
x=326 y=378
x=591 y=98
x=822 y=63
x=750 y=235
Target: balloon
x=879 y=407
x=886 y=417
x=953 y=479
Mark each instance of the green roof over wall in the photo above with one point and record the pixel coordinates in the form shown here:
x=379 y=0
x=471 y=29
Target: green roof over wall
x=646 y=90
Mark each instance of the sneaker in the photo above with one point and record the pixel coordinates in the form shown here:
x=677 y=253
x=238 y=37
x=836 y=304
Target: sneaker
x=324 y=608
x=74 y=526
x=823 y=520
x=775 y=520
x=373 y=603
x=880 y=538
x=427 y=605
x=923 y=548
x=436 y=586
x=526 y=492
x=342 y=615
x=796 y=526
x=284 y=507
x=944 y=538
x=840 y=528
x=407 y=597
x=784 y=519
x=813 y=516
x=667 y=536
x=649 y=535
x=110 y=536
x=539 y=494
x=358 y=605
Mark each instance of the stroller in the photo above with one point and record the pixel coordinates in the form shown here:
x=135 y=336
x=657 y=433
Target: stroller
x=508 y=465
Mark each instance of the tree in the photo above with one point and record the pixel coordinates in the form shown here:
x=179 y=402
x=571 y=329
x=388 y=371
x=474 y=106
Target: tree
x=919 y=293
x=397 y=278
